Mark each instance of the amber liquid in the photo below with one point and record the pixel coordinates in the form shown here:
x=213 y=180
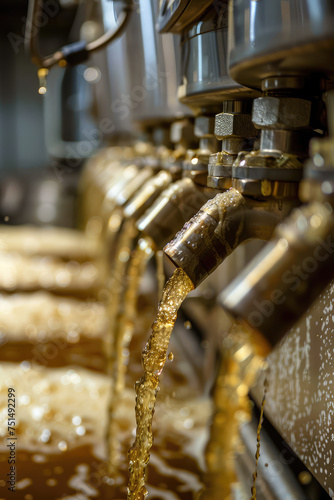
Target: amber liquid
x=231 y=409
x=118 y=281
x=60 y=437
x=117 y=287
x=124 y=328
x=154 y=358
x=258 y=440
x=238 y=369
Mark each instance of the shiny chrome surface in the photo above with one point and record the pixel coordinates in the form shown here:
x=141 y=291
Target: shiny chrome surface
x=143 y=70
x=204 y=77
x=219 y=227
x=280 y=37
x=276 y=287
x=180 y=201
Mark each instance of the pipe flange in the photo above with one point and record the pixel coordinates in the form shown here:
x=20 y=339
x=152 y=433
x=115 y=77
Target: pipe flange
x=270 y=174
x=220 y=170
x=262 y=189
x=259 y=166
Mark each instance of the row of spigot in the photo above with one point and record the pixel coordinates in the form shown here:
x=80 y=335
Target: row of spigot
x=263 y=170
x=263 y=164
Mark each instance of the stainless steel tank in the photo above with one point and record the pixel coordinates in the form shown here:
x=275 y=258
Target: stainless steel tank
x=204 y=74
x=280 y=38
x=143 y=68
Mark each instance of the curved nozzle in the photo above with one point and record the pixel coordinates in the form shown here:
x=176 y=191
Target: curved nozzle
x=282 y=281
x=133 y=185
x=210 y=236
x=144 y=198
x=176 y=204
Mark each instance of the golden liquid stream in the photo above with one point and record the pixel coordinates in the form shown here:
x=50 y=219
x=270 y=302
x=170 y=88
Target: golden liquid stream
x=117 y=282
x=116 y=286
x=258 y=442
x=231 y=408
x=127 y=320
x=122 y=337
x=154 y=358
x=238 y=369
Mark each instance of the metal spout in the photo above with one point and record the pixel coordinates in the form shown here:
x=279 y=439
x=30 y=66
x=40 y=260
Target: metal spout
x=144 y=198
x=212 y=234
x=219 y=227
x=179 y=202
x=282 y=281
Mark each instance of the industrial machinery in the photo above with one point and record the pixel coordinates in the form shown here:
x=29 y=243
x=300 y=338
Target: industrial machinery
x=218 y=122
x=283 y=51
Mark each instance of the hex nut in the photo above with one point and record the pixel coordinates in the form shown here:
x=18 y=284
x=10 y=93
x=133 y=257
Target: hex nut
x=281 y=113
x=234 y=124
x=204 y=126
x=182 y=132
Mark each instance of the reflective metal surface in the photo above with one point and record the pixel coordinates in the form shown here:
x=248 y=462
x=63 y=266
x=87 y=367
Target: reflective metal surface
x=143 y=70
x=180 y=201
x=287 y=275
x=280 y=37
x=204 y=77
x=219 y=227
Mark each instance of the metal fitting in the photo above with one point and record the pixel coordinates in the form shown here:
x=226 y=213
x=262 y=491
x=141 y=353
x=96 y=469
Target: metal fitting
x=236 y=131
x=204 y=126
x=133 y=185
x=284 y=192
x=219 y=227
x=175 y=205
x=282 y=281
x=144 y=198
x=234 y=124
x=182 y=134
x=258 y=166
x=281 y=113
x=220 y=170
x=211 y=235
x=262 y=175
